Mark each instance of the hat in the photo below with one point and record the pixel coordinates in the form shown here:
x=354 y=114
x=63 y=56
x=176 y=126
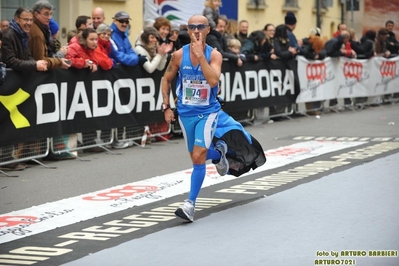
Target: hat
x=174 y=27
x=54 y=28
x=103 y=28
x=315 y=31
x=121 y=15
x=290 y=18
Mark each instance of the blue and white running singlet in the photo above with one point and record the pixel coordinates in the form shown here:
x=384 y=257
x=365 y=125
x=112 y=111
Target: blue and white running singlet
x=195 y=95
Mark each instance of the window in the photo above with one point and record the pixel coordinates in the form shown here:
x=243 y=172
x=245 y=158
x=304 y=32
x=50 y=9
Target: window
x=256 y=4
x=324 y=3
x=291 y=3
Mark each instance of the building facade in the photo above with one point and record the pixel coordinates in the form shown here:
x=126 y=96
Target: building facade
x=257 y=12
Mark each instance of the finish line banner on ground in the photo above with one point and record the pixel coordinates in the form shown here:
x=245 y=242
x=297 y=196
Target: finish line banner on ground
x=333 y=78
x=40 y=105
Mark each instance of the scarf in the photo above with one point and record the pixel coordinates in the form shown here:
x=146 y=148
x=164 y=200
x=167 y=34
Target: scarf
x=21 y=34
x=47 y=37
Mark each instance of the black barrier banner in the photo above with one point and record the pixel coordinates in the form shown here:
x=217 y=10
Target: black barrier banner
x=261 y=84
x=53 y=103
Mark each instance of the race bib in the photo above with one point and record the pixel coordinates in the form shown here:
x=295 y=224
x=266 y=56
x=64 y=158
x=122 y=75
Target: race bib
x=196 y=92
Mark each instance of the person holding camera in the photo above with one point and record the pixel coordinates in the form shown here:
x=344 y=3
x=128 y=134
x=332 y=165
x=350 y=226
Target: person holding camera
x=199 y=67
x=86 y=54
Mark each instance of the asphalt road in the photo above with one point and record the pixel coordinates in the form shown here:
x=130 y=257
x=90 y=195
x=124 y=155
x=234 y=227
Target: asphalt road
x=343 y=199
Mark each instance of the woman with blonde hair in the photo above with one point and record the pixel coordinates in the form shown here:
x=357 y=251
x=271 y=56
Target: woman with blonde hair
x=211 y=11
x=231 y=29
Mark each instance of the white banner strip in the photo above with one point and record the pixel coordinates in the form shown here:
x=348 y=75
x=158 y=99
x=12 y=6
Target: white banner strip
x=342 y=77
x=48 y=216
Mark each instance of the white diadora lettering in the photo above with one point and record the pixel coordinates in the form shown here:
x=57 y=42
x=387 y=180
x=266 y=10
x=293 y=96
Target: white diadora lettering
x=122 y=97
x=262 y=83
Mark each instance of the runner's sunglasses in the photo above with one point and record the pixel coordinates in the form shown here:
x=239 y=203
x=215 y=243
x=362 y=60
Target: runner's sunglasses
x=197 y=26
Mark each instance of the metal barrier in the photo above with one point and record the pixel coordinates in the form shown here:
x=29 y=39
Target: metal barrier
x=69 y=145
x=139 y=134
x=243 y=117
x=282 y=111
x=25 y=151
x=309 y=109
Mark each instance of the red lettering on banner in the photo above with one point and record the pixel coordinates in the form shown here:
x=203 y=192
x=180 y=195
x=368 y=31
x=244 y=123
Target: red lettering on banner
x=388 y=69
x=288 y=151
x=16 y=220
x=126 y=191
x=316 y=71
x=210 y=170
x=353 y=70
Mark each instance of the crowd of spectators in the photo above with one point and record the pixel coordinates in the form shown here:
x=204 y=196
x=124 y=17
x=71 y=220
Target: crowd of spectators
x=30 y=42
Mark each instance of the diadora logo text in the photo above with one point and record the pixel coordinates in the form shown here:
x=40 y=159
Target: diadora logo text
x=388 y=69
x=316 y=71
x=353 y=70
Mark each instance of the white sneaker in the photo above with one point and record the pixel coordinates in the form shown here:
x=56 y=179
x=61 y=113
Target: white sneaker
x=186 y=211
x=223 y=165
x=120 y=145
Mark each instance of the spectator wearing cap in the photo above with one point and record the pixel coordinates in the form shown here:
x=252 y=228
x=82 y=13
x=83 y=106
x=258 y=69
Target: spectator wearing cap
x=58 y=50
x=290 y=22
x=174 y=37
x=163 y=26
x=121 y=48
x=155 y=54
x=381 y=43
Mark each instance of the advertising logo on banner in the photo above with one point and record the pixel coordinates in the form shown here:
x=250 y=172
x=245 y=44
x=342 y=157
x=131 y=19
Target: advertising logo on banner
x=312 y=75
x=178 y=11
x=353 y=75
x=388 y=75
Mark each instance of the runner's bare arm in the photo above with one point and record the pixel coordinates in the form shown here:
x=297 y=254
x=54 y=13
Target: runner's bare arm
x=169 y=75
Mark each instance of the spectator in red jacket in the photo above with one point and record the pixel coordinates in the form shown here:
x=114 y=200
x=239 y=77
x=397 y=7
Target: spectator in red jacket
x=86 y=54
x=104 y=35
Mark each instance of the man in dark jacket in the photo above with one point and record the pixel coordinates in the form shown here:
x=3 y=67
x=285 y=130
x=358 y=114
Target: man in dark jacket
x=392 y=42
x=16 y=55
x=334 y=46
x=216 y=39
x=15 y=52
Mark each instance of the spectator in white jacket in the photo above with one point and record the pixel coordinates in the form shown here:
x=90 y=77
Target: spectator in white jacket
x=149 y=47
